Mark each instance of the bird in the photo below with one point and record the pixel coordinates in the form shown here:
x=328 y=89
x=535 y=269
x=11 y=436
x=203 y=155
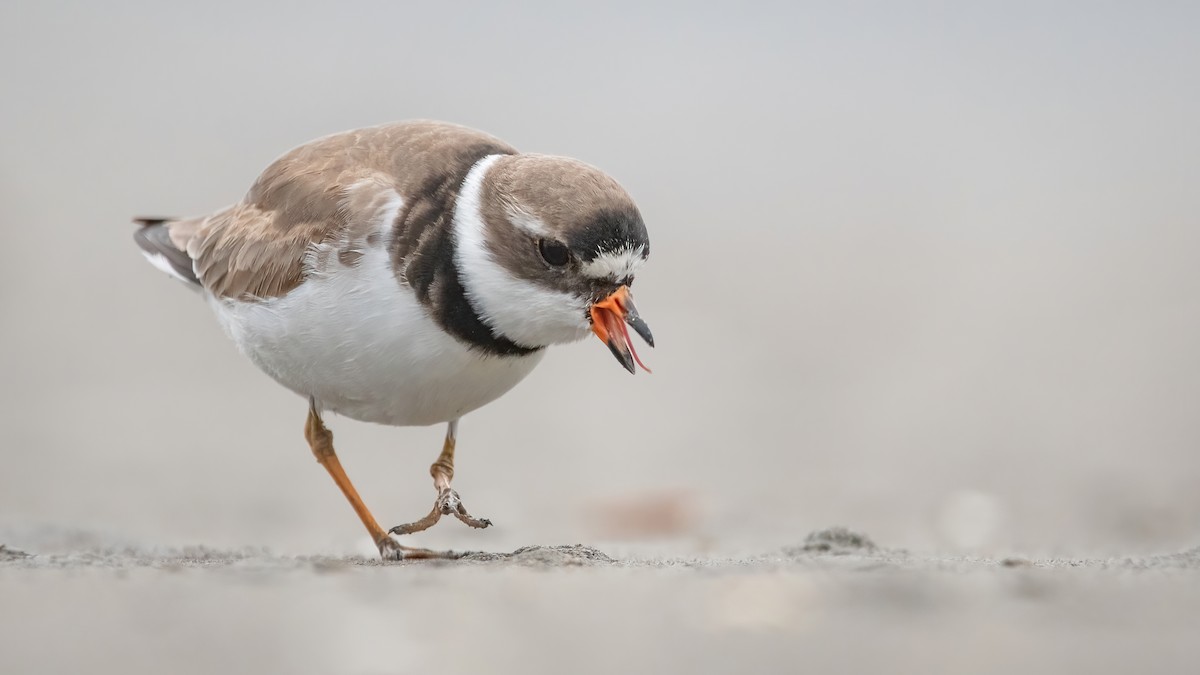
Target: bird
x=407 y=274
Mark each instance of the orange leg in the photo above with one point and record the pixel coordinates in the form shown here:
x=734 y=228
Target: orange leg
x=320 y=439
x=448 y=501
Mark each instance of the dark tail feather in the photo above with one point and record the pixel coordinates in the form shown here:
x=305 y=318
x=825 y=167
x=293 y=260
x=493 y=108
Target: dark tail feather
x=154 y=239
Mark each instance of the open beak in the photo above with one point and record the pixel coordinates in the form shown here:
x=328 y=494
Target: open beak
x=609 y=317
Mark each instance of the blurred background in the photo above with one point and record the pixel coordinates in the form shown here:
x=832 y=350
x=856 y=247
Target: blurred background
x=929 y=272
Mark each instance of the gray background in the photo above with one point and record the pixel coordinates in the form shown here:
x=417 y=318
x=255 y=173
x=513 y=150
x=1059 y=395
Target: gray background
x=928 y=271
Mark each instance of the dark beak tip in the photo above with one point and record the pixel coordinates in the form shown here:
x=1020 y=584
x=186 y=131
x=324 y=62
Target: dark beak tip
x=639 y=326
x=625 y=358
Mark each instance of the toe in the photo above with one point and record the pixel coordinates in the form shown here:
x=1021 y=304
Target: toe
x=389 y=549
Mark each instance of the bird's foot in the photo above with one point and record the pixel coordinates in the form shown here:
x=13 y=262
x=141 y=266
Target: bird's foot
x=447 y=503
x=390 y=549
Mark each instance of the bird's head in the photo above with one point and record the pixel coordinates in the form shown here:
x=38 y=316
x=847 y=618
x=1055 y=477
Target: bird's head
x=547 y=248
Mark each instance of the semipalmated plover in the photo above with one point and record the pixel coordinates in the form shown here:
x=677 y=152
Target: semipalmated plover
x=409 y=273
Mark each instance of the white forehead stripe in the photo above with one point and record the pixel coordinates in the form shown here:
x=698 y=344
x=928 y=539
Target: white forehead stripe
x=616 y=264
x=529 y=314
x=528 y=222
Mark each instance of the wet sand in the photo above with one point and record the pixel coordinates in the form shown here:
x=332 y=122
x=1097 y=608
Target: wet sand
x=823 y=605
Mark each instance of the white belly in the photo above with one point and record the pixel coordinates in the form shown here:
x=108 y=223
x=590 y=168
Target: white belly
x=363 y=346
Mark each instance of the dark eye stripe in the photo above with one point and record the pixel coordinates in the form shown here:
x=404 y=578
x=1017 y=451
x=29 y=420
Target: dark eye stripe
x=553 y=252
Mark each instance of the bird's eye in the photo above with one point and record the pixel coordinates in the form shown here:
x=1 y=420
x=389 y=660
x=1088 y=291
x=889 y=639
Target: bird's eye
x=553 y=252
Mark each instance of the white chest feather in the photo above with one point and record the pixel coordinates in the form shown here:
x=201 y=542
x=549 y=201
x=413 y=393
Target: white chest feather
x=364 y=347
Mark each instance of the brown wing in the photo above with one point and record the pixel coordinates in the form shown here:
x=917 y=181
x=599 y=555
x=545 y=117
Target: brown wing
x=257 y=248
x=246 y=253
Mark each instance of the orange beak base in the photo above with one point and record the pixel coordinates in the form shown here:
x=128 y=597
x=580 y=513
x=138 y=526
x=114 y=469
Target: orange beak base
x=609 y=317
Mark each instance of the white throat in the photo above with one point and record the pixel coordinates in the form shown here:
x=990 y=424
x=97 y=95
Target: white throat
x=520 y=310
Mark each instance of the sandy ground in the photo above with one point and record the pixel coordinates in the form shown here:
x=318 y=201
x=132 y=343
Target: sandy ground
x=926 y=270
x=833 y=603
